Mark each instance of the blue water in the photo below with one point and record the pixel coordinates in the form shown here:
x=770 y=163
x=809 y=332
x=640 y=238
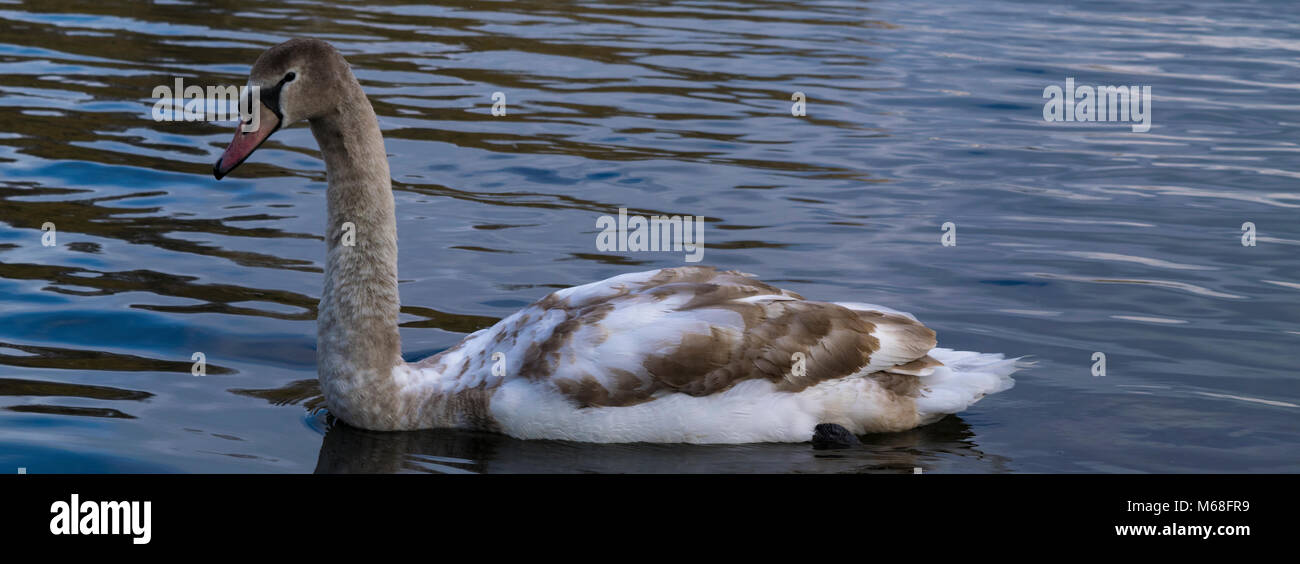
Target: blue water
x=1071 y=238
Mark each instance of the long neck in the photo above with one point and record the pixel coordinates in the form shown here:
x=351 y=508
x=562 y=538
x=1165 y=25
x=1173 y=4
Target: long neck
x=357 y=339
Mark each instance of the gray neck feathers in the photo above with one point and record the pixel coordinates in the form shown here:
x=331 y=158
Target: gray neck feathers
x=357 y=339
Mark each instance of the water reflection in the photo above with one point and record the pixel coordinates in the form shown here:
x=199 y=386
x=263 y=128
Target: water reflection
x=348 y=450
x=15 y=387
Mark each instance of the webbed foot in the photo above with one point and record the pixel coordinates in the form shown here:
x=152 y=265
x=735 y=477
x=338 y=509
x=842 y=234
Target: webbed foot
x=832 y=436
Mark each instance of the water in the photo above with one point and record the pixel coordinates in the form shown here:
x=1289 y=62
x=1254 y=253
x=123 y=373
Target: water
x=1072 y=239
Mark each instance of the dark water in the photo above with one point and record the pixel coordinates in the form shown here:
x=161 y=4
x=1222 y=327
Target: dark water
x=1072 y=238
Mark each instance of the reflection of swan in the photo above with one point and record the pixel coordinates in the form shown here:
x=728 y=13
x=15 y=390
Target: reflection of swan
x=675 y=355
x=944 y=447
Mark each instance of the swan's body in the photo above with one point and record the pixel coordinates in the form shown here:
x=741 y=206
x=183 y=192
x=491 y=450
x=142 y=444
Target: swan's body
x=685 y=354
x=695 y=355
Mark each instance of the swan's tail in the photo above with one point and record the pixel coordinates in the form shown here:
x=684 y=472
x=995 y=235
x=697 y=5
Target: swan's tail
x=964 y=378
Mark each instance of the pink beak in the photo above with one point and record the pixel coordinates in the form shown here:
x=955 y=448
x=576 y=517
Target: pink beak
x=246 y=142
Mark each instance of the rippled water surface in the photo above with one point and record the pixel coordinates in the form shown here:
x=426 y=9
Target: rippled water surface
x=1072 y=239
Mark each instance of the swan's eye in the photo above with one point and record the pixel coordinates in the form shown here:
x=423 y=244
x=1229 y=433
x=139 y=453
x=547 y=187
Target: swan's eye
x=289 y=77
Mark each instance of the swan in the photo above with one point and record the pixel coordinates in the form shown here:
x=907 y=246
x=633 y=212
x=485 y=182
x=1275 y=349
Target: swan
x=677 y=355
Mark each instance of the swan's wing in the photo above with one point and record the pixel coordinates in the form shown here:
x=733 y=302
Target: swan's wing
x=698 y=331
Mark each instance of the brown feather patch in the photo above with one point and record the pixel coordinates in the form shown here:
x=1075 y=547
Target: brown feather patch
x=773 y=325
x=923 y=366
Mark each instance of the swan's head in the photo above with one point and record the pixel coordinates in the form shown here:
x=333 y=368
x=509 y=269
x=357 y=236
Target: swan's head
x=300 y=79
